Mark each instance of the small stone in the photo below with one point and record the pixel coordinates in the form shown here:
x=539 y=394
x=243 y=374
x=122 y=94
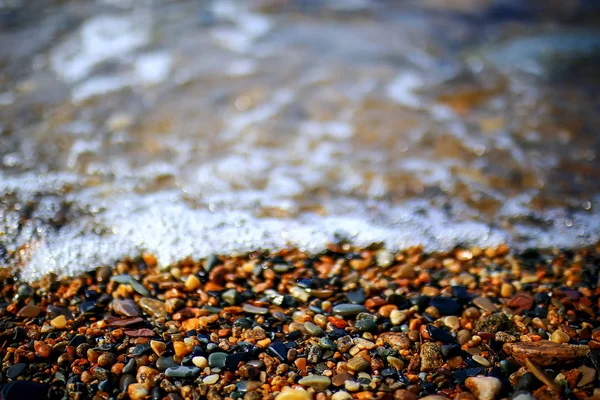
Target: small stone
x=192 y=283
x=211 y=379
x=107 y=359
x=346 y=309
x=183 y=372
x=452 y=322
x=396 y=363
x=217 y=360
x=446 y=305
x=42 y=349
x=126 y=308
x=158 y=347
x=485 y=304
x=406 y=271
x=29 y=311
x=352 y=386
x=318 y=382
x=59 y=322
x=507 y=290
x=182 y=349
x=137 y=391
x=341 y=395
x=231 y=296
x=164 y=362
x=544 y=352
x=128 y=280
x=358 y=363
x=588 y=375
x=200 y=362
x=559 y=336
x=14 y=371
x=397 y=340
x=521 y=301
x=249 y=308
x=248 y=386
x=313 y=329
x=504 y=337
x=440 y=334
x=481 y=360
x=431 y=357
x=155 y=308
x=484 y=387
x=384 y=258
x=397 y=317
x=493 y=323
x=293 y=394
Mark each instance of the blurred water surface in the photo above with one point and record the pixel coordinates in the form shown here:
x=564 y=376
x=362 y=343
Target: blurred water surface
x=186 y=128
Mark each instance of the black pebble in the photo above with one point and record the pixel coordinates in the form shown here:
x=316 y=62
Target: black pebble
x=278 y=350
x=16 y=370
x=527 y=382
x=19 y=390
x=446 y=305
x=440 y=334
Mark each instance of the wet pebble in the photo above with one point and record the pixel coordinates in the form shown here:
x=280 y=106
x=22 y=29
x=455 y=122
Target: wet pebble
x=183 y=372
x=217 y=360
x=254 y=309
x=126 y=307
x=446 y=305
x=318 y=382
x=16 y=370
x=346 y=309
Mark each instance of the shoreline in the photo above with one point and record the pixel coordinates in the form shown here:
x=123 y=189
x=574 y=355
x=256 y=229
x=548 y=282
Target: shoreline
x=344 y=323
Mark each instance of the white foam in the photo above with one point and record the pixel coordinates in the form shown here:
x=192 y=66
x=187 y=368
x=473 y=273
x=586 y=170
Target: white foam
x=153 y=68
x=402 y=89
x=101 y=38
x=98 y=86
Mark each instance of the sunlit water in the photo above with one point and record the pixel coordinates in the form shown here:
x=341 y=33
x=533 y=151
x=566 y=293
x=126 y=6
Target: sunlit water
x=190 y=128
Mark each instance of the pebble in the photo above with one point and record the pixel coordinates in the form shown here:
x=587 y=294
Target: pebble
x=481 y=360
x=507 y=290
x=155 y=308
x=358 y=363
x=183 y=372
x=231 y=296
x=352 y=386
x=137 y=391
x=59 y=322
x=485 y=304
x=128 y=280
x=318 y=382
x=346 y=309
x=521 y=301
x=313 y=329
x=217 y=360
x=14 y=371
x=248 y=386
x=192 y=283
x=446 y=305
x=249 y=308
x=293 y=394
x=211 y=379
x=158 y=347
x=452 y=322
x=341 y=395
x=431 y=357
x=126 y=308
x=484 y=387
x=544 y=352
x=164 y=362
x=200 y=362
x=559 y=336
x=588 y=375
x=29 y=311
x=397 y=317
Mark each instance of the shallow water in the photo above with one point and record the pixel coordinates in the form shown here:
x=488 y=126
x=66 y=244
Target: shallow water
x=189 y=128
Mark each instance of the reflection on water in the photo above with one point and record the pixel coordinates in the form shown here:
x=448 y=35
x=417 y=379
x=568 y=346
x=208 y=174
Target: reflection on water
x=186 y=128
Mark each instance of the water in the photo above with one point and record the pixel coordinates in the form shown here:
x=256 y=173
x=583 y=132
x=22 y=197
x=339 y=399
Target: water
x=188 y=128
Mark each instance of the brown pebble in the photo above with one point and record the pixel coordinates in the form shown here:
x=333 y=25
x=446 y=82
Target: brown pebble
x=544 y=352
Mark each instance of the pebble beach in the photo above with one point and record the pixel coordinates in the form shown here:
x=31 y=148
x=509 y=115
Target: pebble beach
x=347 y=323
